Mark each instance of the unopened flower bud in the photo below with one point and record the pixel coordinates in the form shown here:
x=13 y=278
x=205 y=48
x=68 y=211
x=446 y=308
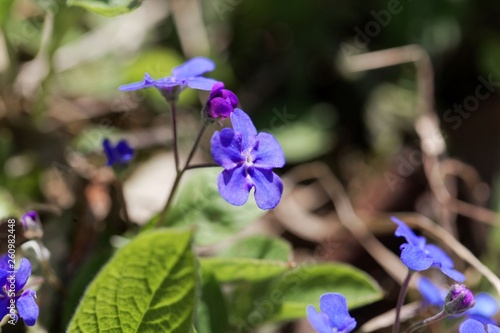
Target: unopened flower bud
x=221 y=103
x=458 y=300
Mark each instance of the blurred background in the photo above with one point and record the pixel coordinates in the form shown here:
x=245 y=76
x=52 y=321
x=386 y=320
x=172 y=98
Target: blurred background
x=287 y=61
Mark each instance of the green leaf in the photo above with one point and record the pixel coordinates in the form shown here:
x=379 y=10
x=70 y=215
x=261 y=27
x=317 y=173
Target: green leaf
x=212 y=315
x=5 y=6
x=259 y=247
x=107 y=7
x=304 y=285
x=148 y=286
x=199 y=203
x=243 y=269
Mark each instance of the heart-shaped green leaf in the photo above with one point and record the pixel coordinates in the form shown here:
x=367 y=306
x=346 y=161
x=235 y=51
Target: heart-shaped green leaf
x=148 y=286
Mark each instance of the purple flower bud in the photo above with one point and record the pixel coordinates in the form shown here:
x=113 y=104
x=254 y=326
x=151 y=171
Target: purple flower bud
x=30 y=219
x=121 y=154
x=458 y=300
x=221 y=102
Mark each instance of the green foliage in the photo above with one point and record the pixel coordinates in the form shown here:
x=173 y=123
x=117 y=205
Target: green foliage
x=243 y=269
x=212 y=315
x=304 y=285
x=148 y=286
x=200 y=204
x=286 y=296
x=259 y=247
x=107 y=7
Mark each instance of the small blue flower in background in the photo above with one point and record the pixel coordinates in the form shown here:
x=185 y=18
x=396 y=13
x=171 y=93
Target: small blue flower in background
x=248 y=159
x=474 y=326
x=121 y=154
x=23 y=300
x=334 y=316
x=419 y=256
x=432 y=294
x=221 y=102
x=187 y=74
x=485 y=309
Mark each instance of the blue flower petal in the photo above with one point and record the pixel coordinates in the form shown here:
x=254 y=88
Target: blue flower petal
x=415 y=258
x=404 y=231
x=146 y=83
x=432 y=294
x=334 y=305
x=226 y=148
x=268 y=153
x=319 y=321
x=124 y=151
x=234 y=185
x=242 y=123
x=268 y=187
x=439 y=256
x=27 y=307
x=472 y=326
x=4 y=307
x=4 y=263
x=22 y=274
x=486 y=307
x=453 y=274
x=493 y=329
x=201 y=83
x=193 y=67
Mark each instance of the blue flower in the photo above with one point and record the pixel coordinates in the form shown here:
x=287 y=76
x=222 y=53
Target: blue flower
x=187 y=74
x=419 y=256
x=248 y=159
x=485 y=309
x=221 y=102
x=334 y=316
x=432 y=294
x=121 y=154
x=474 y=326
x=13 y=299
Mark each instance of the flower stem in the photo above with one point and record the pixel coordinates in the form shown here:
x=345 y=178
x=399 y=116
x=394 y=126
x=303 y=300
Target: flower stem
x=203 y=165
x=121 y=198
x=173 y=111
x=178 y=176
x=401 y=298
x=426 y=322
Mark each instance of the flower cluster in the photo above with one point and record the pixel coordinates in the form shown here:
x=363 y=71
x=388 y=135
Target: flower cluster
x=485 y=308
x=16 y=301
x=248 y=157
x=417 y=255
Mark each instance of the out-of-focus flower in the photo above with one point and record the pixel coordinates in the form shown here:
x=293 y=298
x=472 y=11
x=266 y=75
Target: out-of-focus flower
x=221 y=102
x=432 y=294
x=186 y=75
x=14 y=300
x=485 y=309
x=474 y=326
x=458 y=300
x=334 y=315
x=32 y=226
x=248 y=160
x=121 y=154
x=419 y=256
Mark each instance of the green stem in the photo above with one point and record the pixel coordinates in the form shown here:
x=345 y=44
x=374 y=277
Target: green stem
x=203 y=165
x=173 y=111
x=401 y=298
x=426 y=322
x=178 y=177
